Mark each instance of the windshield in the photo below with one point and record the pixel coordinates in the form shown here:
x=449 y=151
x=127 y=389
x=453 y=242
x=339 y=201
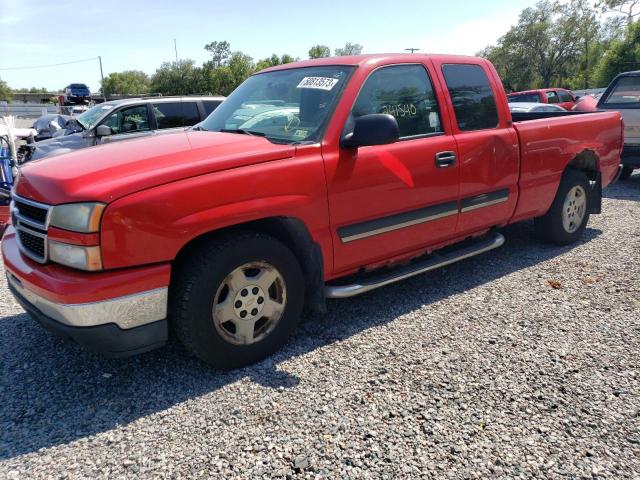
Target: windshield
x=626 y=91
x=89 y=118
x=524 y=98
x=288 y=106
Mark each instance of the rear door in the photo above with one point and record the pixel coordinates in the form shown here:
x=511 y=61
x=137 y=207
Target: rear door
x=487 y=145
x=175 y=116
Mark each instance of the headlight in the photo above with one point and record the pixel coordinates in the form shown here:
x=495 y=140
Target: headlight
x=75 y=256
x=77 y=217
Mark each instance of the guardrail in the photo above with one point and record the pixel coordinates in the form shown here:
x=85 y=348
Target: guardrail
x=26 y=110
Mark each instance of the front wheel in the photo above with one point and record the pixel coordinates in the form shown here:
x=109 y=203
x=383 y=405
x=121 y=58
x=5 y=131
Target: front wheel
x=569 y=213
x=237 y=300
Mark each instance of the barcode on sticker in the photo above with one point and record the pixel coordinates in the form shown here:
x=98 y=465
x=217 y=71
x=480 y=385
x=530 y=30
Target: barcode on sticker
x=320 y=83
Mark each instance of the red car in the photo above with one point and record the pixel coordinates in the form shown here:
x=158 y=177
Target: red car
x=565 y=98
x=318 y=179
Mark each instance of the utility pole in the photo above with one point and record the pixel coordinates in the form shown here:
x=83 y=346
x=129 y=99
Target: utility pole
x=175 y=47
x=104 y=97
x=412 y=49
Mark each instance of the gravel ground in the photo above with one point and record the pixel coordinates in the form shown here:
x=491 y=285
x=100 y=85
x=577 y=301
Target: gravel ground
x=522 y=363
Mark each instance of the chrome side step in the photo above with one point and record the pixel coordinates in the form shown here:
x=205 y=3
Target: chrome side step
x=434 y=261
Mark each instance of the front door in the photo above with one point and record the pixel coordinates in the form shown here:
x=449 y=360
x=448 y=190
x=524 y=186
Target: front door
x=390 y=200
x=126 y=123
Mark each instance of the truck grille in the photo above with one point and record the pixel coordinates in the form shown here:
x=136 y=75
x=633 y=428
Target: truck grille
x=31 y=221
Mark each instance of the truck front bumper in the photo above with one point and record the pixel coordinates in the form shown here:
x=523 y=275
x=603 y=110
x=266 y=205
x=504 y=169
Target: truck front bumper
x=631 y=156
x=82 y=306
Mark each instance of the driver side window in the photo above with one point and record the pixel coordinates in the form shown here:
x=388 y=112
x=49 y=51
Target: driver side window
x=406 y=93
x=128 y=120
x=552 y=97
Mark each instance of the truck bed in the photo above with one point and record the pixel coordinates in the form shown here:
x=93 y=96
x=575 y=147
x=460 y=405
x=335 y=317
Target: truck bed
x=549 y=141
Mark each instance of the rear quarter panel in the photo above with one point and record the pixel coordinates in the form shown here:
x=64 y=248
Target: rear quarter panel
x=548 y=145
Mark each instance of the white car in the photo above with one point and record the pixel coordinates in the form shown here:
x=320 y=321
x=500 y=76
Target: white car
x=526 y=107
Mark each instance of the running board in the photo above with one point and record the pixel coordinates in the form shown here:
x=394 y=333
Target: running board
x=434 y=261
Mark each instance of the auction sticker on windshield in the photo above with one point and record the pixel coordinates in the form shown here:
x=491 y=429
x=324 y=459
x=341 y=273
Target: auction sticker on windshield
x=319 y=83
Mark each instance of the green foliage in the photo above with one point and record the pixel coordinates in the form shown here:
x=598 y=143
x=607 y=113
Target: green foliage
x=5 y=91
x=629 y=8
x=274 y=60
x=220 y=53
x=178 y=78
x=319 y=51
x=349 y=49
x=622 y=56
x=31 y=90
x=129 y=82
x=553 y=44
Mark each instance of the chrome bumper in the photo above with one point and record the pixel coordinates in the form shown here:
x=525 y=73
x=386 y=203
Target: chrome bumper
x=126 y=312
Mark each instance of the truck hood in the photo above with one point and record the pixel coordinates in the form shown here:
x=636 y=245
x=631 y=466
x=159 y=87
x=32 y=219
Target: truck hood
x=107 y=172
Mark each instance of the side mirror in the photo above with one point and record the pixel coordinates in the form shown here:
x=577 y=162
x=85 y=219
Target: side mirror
x=373 y=129
x=103 y=131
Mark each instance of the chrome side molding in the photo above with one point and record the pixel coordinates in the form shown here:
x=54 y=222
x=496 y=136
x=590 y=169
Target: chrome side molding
x=434 y=261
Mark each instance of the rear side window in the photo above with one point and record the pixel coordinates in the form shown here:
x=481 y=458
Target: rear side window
x=626 y=92
x=552 y=97
x=168 y=115
x=210 y=106
x=176 y=114
x=524 y=98
x=404 y=91
x=472 y=97
x=191 y=114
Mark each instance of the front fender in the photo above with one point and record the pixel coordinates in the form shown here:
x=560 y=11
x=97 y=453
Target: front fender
x=153 y=225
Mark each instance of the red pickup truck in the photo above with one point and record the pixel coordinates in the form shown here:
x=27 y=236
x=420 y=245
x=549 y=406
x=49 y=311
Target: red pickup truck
x=318 y=179
x=559 y=96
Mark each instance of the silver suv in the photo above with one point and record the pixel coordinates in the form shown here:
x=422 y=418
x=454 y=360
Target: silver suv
x=623 y=95
x=122 y=120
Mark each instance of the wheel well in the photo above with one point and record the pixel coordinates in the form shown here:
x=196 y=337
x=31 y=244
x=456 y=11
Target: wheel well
x=587 y=162
x=294 y=234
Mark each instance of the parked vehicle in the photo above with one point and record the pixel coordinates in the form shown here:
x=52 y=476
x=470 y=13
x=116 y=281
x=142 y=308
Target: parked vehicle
x=565 y=98
x=395 y=165
x=588 y=103
x=534 y=107
x=47 y=125
x=76 y=93
x=124 y=120
x=623 y=95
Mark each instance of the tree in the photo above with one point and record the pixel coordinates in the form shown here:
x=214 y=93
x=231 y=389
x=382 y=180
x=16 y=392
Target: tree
x=349 y=49
x=220 y=53
x=274 y=60
x=178 y=78
x=622 y=56
x=5 y=91
x=129 y=82
x=224 y=79
x=551 y=43
x=319 y=51
x=629 y=8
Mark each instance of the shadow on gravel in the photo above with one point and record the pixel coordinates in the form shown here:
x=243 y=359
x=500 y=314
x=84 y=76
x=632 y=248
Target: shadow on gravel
x=52 y=392
x=624 y=189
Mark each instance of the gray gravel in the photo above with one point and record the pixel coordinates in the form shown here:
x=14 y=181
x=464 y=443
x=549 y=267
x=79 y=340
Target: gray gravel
x=480 y=370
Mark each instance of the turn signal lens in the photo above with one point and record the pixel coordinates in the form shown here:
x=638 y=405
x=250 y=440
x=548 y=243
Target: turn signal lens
x=75 y=256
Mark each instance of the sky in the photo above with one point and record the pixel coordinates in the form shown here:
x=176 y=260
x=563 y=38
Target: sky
x=140 y=34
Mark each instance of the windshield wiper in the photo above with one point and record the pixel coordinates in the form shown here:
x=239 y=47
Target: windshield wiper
x=244 y=132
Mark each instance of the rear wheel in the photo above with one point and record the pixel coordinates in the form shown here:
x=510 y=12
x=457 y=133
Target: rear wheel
x=569 y=213
x=626 y=173
x=236 y=301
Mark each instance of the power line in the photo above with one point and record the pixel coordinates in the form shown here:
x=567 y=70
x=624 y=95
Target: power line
x=50 y=65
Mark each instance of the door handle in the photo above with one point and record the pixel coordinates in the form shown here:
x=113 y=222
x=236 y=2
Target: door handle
x=445 y=159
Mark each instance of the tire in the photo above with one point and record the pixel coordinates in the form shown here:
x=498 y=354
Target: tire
x=626 y=173
x=235 y=273
x=567 y=218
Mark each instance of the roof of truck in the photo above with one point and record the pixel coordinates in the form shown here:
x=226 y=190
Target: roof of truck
x=358 y=60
